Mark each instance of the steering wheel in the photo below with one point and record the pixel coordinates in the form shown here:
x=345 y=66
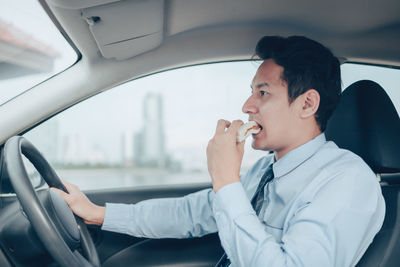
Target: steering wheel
x=61 y=234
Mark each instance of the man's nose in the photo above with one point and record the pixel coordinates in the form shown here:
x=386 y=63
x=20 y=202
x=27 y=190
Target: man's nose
x=249 y=107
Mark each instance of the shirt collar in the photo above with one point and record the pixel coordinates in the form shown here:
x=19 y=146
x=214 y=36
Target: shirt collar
x=297 y=156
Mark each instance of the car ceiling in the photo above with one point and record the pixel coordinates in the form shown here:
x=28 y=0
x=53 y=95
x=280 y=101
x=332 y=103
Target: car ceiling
x=193 y=32
x=358 y=30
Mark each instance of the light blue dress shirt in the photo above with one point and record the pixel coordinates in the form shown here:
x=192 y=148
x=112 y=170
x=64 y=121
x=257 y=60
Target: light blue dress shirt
x=323 y=208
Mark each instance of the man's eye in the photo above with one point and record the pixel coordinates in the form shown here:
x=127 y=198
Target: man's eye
x=263 y=93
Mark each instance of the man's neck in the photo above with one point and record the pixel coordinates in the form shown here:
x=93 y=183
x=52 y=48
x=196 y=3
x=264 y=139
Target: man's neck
x=299 y=142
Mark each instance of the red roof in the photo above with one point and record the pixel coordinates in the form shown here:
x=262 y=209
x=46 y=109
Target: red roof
x=16 y=37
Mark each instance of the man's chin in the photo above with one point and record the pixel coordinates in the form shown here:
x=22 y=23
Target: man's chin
x=257 y=146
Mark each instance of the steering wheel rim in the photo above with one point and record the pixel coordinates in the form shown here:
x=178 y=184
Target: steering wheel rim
x=46 y=230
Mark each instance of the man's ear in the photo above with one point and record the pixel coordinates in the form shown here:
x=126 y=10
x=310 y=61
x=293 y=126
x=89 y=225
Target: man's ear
x=311 y=99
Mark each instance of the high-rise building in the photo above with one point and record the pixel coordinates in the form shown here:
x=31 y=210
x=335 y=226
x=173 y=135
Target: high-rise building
x=149 y=144
x=138 y=148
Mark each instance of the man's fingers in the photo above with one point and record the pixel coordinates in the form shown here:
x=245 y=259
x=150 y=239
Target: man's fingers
x=235 y=125
x=221 y=126
x=70 y=187
x=62 y=194
x=232 y=127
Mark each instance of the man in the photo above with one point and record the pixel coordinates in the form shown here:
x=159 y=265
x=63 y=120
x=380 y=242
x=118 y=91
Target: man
x=307 y=204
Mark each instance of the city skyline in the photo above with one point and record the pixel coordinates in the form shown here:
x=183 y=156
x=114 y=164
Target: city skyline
x=144 y=148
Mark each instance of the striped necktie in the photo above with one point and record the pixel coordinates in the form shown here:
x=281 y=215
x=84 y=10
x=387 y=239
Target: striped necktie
x=257 y=202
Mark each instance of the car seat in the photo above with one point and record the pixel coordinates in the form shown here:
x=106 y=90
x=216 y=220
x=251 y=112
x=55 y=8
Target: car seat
x=367 y=123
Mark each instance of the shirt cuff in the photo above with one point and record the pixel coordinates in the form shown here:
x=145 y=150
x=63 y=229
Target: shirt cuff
x=232 y=200
x=116 y=218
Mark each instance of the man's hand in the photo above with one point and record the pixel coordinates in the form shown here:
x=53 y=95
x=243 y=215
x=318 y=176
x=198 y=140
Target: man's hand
x=81 y=205
x=224 y=155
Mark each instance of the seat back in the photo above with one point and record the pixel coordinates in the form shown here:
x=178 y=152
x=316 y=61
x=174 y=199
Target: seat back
x=367 y=123
x=385 y=249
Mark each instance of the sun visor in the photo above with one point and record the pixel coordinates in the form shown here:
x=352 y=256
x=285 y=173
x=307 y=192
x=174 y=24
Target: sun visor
x=127 y=28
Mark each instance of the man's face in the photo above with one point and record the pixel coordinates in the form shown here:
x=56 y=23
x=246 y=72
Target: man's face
x=269 y=106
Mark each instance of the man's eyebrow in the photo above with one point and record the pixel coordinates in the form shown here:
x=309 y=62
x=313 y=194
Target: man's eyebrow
x=260 y=85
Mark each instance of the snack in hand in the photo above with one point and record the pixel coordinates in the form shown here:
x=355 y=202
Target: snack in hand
x=247 y=129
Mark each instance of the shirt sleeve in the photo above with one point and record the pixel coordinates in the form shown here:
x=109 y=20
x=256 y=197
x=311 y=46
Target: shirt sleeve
x=189 y=216
x=331 y=227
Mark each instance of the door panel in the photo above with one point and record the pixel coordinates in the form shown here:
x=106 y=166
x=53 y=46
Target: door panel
x=203 y=251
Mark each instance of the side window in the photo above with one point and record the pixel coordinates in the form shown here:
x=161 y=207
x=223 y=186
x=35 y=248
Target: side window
x=149 y=131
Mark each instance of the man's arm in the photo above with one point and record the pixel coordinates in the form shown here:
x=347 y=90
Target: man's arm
x=188 y=216
x=157 y=218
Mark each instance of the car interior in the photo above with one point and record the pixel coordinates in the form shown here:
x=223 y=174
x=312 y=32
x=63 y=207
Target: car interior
x=117 y=41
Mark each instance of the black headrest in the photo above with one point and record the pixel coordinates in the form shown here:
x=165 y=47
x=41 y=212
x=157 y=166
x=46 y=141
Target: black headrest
x=367 y=123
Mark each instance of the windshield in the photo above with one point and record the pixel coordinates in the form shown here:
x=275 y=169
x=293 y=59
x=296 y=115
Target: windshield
x=31 y=48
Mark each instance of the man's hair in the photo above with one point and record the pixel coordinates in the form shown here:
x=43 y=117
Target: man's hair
x=306 y=64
